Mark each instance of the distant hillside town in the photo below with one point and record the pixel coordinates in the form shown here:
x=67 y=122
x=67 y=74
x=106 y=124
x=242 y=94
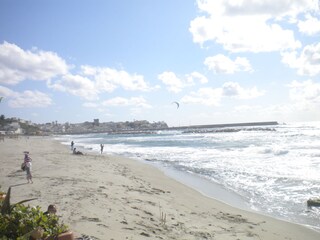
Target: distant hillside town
x=16 y=126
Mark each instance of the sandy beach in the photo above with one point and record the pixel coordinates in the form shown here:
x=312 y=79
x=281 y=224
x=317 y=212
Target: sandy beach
x=109 y=197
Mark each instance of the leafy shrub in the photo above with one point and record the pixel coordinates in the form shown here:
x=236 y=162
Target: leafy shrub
x=24 y=219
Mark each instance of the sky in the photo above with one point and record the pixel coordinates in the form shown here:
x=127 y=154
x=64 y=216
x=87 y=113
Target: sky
x=124 y=60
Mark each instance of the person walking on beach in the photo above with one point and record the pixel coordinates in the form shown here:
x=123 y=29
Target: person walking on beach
x=101 y=148
x=28 y=165
x=72 y=144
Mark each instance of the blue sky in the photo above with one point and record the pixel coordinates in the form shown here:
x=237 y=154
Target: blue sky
x=124 y=60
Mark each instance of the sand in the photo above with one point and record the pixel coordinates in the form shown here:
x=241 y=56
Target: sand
x=110 y=197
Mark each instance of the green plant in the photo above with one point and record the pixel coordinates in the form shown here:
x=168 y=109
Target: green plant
x=18 y=221
x=24 y=219
x=6 y=206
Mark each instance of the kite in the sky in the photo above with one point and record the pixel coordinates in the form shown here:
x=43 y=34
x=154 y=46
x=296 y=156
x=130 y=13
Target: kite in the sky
x=178 y=105
x=1 y=99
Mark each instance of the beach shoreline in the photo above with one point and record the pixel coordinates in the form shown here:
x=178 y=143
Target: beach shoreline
x=218 y=193
x=111 y=197
x=204 y=186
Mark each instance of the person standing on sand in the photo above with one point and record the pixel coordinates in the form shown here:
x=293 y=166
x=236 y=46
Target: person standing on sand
x=27 y=162
x=101 y=148
x=72 y=144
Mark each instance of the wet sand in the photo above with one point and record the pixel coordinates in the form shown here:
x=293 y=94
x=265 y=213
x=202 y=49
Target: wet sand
x=110 y=197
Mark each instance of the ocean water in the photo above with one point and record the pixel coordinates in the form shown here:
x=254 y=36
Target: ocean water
x=273 y=169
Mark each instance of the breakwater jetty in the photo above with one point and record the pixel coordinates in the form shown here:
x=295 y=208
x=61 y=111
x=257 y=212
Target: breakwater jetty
x=248 y=124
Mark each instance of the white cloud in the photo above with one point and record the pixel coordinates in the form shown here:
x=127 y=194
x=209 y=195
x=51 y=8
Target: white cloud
x=138 y=102
x=173 y=83
x=249 y=25
x=277 y=112
x=92 y=81
x=204 y=96
x=222 y=64
x=76 y=85
x=6 y=92
x=308 y=63
x=305 y=94
x=272 y=8
x=309 y=26
x=213 y=96
x=233 y=89
x=117 y=101
x=17 y=65
x=108 y=79
x=176 y=84
x=196 y=76
x=25 y=99
x=30 y=99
